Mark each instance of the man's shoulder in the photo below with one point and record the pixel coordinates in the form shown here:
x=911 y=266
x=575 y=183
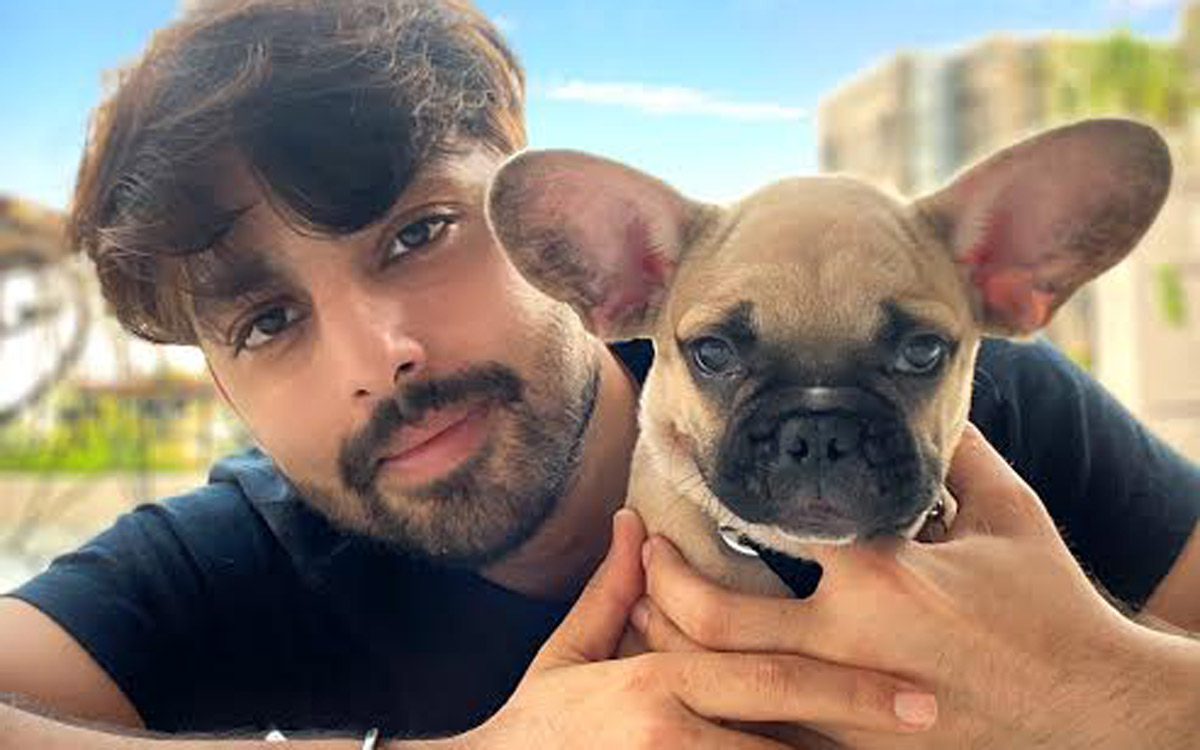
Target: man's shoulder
x=252 y=476
x=236 y=527
x=1032 y=358
x=249 y=506
x=226 y=605
x=1013 y=380
x=245 y=501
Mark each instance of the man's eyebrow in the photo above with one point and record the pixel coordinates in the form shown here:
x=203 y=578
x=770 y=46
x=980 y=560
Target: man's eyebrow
x=440 y=173
x=220 y=279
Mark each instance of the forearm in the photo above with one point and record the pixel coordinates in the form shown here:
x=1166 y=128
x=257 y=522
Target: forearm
x=22 y=729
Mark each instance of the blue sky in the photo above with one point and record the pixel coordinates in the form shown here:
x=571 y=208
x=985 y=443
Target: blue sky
x=716 y=96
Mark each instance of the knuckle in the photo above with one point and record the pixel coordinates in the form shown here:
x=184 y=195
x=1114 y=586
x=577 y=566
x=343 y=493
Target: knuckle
x=865 y=695
x=708 y=621
x=643 y=674
x=656 y=731
x=773 y=676
x=655 y=631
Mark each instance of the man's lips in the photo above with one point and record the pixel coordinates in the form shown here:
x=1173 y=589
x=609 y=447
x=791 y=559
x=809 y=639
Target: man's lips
x=432 y=449
x=412 y=439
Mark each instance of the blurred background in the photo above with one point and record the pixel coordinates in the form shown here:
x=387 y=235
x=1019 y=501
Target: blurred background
x=717 y=97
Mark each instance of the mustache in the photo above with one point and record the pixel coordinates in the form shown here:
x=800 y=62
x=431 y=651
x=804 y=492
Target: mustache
x=490 y=382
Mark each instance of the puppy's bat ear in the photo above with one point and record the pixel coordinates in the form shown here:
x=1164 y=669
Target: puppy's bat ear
x=594 y=233
x=1033 y=222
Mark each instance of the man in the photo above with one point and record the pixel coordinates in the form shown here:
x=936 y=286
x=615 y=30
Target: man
x=296 y=187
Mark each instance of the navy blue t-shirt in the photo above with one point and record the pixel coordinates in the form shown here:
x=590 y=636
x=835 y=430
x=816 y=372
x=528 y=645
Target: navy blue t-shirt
x=236 y=607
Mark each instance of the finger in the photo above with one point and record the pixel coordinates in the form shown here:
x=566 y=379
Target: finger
x=657 y=630
x=716 y=737
x=707 y=735
x=795 y=736
x=724 y=620
x=788 y=688
x=593 y=627
x=992 y=498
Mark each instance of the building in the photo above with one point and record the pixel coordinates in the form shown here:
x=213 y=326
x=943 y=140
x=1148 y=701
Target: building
x=44 y=315
x=65 y=368
x=916 y=119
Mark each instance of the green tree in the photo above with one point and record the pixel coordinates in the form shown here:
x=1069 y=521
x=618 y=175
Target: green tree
x=1118 y=74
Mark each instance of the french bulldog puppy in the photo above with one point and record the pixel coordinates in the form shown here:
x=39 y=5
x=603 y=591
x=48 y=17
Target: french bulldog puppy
x=815 y=341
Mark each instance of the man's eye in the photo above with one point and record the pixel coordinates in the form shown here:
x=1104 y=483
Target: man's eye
x=418 y=234
x=265 y=326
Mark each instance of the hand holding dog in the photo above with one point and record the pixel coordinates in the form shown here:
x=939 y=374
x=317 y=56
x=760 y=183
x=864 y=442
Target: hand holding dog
x=576 y=695
x=998 y=621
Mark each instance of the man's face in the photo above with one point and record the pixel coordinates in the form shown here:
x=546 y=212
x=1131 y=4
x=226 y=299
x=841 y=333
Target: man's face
x=406 y=378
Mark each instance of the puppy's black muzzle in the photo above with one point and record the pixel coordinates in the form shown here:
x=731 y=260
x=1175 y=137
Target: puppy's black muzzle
x=821 y=430
x=824 y=462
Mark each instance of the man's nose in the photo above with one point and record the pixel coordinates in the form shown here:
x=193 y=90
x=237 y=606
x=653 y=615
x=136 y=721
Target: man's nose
x=373 y=345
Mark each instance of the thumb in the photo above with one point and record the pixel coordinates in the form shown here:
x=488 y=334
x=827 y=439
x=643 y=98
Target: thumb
x=992 y=498
x=594 y=626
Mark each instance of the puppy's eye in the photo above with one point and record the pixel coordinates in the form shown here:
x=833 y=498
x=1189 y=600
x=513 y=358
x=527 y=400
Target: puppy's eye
x=714 y=356
x=922 y=354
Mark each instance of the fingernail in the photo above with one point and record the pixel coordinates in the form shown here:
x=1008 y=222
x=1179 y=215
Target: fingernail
x=616 y=519
x=916 y=709
x=640 y=615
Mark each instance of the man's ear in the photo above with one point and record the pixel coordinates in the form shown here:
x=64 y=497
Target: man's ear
x=594 y=233
x=1033 y=222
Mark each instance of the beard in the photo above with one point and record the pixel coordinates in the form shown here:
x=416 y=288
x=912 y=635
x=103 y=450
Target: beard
x=494 y=501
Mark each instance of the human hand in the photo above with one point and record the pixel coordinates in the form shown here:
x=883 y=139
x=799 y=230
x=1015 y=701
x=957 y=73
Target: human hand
x=999 y=621
x=576 y=695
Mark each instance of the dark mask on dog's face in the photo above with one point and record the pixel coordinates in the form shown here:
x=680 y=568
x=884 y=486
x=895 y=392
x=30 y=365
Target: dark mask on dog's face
x=822 y=452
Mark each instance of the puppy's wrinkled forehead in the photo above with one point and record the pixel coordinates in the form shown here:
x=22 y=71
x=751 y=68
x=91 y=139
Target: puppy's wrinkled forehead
x=823 y=258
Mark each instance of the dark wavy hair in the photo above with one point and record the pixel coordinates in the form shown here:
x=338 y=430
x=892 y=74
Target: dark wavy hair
x=333 y=106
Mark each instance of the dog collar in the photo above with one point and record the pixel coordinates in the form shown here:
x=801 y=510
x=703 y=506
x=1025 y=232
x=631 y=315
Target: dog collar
x=736 y=542
x=799 y=575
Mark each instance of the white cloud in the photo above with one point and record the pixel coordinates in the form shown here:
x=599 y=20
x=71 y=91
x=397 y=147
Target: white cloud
x=1137 y=6
x=671 y=100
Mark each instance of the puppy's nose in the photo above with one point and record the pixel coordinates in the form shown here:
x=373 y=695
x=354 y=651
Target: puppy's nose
x=810 y=441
